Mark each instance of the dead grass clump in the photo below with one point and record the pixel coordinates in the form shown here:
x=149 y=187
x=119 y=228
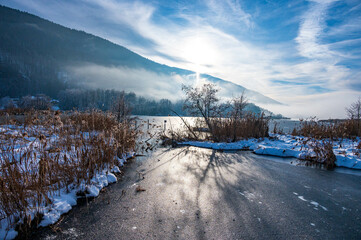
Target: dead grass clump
x=328 y=129
x=314 y=129
x=351 y=128
x=223 y=129
x=23 y=187
x=93 y=120
x=323 y=153
x=51 y=151
x=11 y=111
x=234 y=129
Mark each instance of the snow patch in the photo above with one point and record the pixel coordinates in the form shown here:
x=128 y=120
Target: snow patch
x=302 y=198
x=6 y=232
x=111 y=178
x=250 y=196
x=115 y=169
x=289 y=146
x=316 y=204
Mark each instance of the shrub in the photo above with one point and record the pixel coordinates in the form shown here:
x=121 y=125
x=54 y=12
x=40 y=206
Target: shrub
x=323 y=153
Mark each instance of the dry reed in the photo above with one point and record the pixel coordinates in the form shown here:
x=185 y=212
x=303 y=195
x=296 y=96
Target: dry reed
x=223 y=129
x=45 y=151
x=328 y=129
x=322 y=152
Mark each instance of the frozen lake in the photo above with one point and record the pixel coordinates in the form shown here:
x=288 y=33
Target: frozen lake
x=171 y=122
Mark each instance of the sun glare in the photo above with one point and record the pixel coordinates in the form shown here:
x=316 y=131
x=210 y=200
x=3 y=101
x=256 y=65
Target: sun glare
x=199 y=51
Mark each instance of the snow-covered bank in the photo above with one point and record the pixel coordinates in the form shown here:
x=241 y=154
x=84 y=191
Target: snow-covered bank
x=346 y=152
x=63 y=200
x=45 y=168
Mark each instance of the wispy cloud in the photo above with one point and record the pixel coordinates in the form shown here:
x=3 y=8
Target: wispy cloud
x=310 y=31
x=229 y=12
x=294 y=51
x=326 y=57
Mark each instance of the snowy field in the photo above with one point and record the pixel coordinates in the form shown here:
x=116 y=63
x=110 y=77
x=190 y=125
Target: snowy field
x=346 y=152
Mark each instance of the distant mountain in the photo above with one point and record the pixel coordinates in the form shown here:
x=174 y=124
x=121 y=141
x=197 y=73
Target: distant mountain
x=38 y=56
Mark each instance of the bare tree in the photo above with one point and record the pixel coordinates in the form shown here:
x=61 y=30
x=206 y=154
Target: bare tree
x=238 y=106
x=120 y=108
x=225 y=121
x=354 y=112
x=202 y=101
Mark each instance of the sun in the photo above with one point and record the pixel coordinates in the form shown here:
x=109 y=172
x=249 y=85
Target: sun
x=199 y=51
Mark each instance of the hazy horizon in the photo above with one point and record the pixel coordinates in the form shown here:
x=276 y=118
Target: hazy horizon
x=305 y=54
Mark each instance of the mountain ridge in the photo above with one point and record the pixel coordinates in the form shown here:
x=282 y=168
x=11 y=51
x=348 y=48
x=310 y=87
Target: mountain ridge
x=42 y=51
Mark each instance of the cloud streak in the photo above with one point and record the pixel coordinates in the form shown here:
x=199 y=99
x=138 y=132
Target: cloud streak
x=310 y=30
x=296 y=52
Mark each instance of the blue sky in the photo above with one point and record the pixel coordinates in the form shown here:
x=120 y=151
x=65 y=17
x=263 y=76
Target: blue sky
x=304 y=53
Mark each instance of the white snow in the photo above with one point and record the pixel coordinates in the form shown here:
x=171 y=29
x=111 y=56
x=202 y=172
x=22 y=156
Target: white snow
x=111 y=178
x=315 y=204
x=5 y=232
x=61 y=204
x=345 y=150
x=250 y=196
x=115 y=169
x=92 y=191
x=302 y=198
x=64 y=202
